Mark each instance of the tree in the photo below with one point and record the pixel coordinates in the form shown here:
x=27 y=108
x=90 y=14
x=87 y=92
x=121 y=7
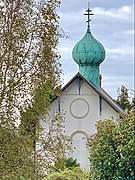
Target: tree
x=15 y=157
x=30 y=144
x=29 y=34
x=31 y=152
x=123 y=100
x=112 y=149
x=48 y=143
x=29 y=77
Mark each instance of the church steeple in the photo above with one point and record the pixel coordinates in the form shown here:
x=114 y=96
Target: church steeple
x=88 y=53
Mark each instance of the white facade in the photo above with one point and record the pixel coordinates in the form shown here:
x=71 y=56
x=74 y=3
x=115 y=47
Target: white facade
x=83 y=105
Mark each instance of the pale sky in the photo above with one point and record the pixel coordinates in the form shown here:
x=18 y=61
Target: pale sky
x=112 y=25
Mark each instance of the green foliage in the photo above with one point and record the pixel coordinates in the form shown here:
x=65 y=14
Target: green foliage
x=112 y=150
x=65 y=163
x=123 y=100
x=40 y=106
x=74 y=174
x=16 y=160
x=71 y=163
x=29 y=35
x=28 y=155
x=29 y=76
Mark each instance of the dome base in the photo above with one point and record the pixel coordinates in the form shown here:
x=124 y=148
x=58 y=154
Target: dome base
x=91 y=73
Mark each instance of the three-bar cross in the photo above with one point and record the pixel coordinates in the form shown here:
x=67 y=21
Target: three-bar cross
x=89 y=14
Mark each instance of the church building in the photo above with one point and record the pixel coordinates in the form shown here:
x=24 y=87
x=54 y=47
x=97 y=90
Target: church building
x=83 y=99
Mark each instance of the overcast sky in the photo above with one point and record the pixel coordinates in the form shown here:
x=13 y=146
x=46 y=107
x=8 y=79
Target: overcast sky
x=112 y=25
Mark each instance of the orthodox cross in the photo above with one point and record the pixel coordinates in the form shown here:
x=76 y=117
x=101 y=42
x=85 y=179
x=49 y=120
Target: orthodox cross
x=89 y=14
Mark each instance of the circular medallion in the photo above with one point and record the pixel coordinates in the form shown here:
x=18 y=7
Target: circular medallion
x=79 y=108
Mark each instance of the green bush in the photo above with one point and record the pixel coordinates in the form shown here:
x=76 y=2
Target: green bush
x=112 y=150
x=65 y=163
x=74 y=174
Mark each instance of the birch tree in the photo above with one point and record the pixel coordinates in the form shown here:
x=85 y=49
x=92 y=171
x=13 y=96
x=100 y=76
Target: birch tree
x=29 y=77
x=29 y=34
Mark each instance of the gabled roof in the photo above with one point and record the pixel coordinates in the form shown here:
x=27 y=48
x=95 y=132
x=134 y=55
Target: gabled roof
x=102 y=93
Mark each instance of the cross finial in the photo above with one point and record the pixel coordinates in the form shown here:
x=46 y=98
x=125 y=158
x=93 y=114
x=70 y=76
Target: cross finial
x=89 y=13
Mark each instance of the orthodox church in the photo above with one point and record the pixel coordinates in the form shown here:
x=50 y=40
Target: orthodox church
x=83 y=99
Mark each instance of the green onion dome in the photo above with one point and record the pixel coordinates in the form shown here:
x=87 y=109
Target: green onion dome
x=88 y=53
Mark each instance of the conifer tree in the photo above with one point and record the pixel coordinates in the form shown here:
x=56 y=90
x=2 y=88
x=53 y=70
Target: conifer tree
x=123 y=99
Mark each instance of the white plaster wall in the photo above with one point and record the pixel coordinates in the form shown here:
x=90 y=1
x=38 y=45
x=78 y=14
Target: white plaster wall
x=87 y=122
